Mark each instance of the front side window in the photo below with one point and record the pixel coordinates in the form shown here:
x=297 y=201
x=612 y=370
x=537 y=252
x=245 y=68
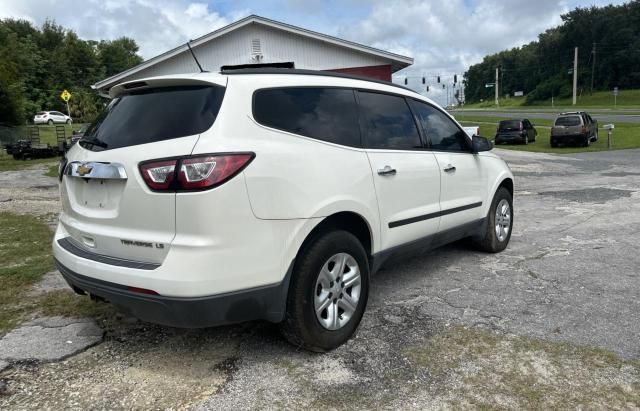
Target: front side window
x=327 y=114
x=441 y=131
x=387 y=122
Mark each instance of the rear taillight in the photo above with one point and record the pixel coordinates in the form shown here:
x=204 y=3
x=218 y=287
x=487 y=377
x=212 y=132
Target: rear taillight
x=193 y=173
x=159 y=174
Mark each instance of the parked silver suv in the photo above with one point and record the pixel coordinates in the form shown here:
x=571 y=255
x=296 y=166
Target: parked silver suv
x=574 y=128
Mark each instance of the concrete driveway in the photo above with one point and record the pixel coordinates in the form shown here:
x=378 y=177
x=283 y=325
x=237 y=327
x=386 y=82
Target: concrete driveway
x=553 y=321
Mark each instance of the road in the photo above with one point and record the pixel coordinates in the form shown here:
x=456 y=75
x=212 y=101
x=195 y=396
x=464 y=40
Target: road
x=448 y=328
x=539 y=114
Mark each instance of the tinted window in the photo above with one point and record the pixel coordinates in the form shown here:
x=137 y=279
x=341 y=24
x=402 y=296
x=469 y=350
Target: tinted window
x=509 y=125
x=328 y=114
x=388 y=122
x=154 y=115
x=568 y=121
x=442 y=132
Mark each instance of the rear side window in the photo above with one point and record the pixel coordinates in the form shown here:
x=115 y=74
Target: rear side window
x=510 y=125
x=387 y=122
x=568 y=121
x=154 y=115
x=327 y=114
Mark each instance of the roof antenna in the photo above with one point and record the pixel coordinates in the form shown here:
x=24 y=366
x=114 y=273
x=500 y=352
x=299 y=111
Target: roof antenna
x=195 y=58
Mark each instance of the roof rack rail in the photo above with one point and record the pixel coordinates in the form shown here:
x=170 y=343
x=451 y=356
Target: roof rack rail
x=270 y=70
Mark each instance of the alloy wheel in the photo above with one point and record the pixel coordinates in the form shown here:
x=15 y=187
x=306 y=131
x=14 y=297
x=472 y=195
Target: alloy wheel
x=337 y=291
x=503 y=220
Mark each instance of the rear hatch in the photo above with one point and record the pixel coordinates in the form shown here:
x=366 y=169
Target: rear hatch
x=108 y=209
x=508 y=129
x=567 y=126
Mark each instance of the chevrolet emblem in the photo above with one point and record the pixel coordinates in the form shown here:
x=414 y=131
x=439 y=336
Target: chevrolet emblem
x=84 y=169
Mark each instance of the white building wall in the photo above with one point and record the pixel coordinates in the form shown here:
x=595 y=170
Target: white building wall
x=278 y=46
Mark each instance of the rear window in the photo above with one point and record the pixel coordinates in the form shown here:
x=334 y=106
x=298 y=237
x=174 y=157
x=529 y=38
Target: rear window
x=327 y=114
x=152 y=115
x=510 y=125
x=568 y=121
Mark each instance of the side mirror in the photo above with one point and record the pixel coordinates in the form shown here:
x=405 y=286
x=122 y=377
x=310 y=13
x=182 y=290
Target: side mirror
x=480 y=144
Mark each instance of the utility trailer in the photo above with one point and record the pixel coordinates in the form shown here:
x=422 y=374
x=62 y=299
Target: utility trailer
x=32 y=147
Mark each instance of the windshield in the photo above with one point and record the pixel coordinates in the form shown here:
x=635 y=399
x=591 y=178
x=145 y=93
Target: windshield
x=154 y=115
x=510 y=125
x=568 y=121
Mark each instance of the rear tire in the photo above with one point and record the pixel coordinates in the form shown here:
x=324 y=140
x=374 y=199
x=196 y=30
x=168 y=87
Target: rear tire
x=495 y=239
x=314 y=301
x=587 y=141
x=50 y=122
x=526 y=140
x=553 y=144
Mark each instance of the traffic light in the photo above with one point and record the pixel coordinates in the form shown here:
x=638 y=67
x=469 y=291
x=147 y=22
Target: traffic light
x=423 y=81
x=405 y=81
x=438 y=79
x=443 y=86
x=427 y=89
x=455 y=78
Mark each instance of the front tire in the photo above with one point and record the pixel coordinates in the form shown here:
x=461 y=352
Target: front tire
x=328 y=292
x=50 y=122
x=68 y=121
x=499 y=223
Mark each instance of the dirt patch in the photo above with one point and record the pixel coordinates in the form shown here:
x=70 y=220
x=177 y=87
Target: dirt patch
x=483 y=369
x=29 y=192
x=620 y=174
x=589 y=195
x=144 y=367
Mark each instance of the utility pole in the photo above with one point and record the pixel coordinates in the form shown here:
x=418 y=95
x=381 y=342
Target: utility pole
x=575 y=75
x=593 y=65
x=497 y=92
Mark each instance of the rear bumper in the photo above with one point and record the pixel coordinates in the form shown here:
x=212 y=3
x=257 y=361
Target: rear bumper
x=262 y=303
x=512 y=138
x=570 y=138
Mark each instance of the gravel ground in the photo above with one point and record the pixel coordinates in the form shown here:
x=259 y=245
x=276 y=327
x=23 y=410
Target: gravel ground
x=552 y=322
x=29 y=191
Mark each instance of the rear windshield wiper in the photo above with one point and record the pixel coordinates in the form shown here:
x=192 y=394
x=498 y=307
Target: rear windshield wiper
x=93 y=142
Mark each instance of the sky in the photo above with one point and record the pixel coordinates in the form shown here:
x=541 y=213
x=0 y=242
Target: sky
x=443 y=37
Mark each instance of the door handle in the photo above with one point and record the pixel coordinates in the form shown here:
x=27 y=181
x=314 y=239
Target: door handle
x=449 y=168
x=387 y=171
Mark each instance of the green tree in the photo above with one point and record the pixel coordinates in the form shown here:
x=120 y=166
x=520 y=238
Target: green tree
x=542 y=68
x=36 y=64
x=118 y=55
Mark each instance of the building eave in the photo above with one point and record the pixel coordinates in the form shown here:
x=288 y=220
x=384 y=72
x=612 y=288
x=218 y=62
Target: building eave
x=397 y=61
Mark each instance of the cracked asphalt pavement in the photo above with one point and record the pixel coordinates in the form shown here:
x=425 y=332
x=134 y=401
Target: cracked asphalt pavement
x=569 y=278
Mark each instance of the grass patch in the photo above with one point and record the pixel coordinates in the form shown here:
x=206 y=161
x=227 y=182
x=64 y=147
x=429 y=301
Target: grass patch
x=53 y=171
x=625 y=136
x=599 y=99
x=488 y=370
x=25 y=252
x=7 y=163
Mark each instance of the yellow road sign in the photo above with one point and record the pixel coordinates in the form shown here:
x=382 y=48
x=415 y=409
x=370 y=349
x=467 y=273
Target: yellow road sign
x=65 y=95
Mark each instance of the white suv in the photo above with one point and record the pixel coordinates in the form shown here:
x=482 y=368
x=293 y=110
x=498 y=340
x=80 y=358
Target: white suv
x=50 y=117
x=202 y=199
